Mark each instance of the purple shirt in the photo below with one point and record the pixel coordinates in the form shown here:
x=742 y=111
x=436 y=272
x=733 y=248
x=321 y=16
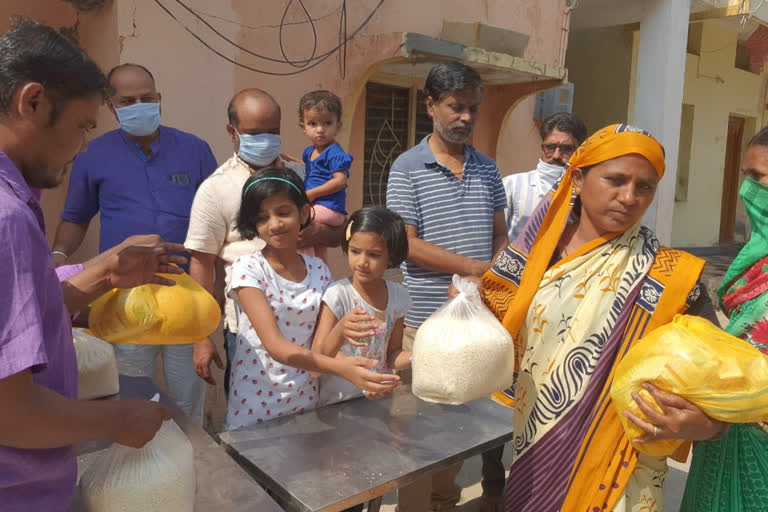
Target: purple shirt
x=64 y=272
x=35 y=334
x=137 y=195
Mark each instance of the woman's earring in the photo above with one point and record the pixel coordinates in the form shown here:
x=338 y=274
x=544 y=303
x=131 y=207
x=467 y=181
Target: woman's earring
x=576 y=191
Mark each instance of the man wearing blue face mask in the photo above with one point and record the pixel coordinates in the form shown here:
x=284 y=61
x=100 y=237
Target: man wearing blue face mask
x=141 y=178
x=254 y=127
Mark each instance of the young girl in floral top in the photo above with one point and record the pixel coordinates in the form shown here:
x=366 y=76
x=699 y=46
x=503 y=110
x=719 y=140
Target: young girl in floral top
x=277 y=294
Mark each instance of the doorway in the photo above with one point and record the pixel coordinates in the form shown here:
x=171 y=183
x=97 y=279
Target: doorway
x=731 y=173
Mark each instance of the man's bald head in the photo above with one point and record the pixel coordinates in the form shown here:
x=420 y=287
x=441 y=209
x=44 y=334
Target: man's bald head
x=251 y=103
x=128 y=67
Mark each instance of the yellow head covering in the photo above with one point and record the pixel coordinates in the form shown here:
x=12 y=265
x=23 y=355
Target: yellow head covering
x=618 y=140
x=610 y=142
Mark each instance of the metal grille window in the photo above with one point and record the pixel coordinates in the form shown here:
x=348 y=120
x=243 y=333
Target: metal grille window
x=395 y=119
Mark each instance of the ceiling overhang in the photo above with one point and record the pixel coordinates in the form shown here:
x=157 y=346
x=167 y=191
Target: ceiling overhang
x=418 y=53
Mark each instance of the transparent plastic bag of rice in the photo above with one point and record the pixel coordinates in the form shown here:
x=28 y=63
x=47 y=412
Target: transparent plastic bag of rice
x=96 y=367
x=160 y=477
x=462 y=352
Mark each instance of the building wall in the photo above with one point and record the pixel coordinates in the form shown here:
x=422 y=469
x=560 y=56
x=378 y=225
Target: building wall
x=94 y=31
x=376 y=43
x=599 y=63
x=197 y=84
x=603 y=68
x=716 y=90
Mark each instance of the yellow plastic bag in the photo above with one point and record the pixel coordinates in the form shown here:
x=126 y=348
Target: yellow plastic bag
x=156 y=315
x=723 y=375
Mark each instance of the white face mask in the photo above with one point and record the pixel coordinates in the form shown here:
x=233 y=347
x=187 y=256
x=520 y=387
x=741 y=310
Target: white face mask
x=549 y=172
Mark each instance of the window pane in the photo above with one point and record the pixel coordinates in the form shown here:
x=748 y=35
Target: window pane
x=386 y=136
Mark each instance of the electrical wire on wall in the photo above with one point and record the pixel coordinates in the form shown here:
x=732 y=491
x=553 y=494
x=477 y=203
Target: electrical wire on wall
x=300 y=65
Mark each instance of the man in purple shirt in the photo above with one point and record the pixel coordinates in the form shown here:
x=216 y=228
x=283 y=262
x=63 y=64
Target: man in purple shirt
x=50 y=93
x=142 y=178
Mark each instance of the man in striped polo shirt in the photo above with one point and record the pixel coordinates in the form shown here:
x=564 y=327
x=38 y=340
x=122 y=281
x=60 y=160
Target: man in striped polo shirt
x=452 y=200
x=561 y=134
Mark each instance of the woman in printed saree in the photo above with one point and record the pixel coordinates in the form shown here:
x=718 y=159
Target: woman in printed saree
x=732 y=473
x=580 y=284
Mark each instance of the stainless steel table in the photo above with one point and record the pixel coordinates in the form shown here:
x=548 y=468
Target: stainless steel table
x=222 y=485
x=346 y=454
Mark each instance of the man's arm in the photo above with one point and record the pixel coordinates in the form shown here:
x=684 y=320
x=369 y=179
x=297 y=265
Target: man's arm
x=135 y=262
x=321 y=234
x=432 y=257
x=69 y=236
x=500 y=235
x=39 y=418
x=500 y=209
x=206 y=237
x=202 y=268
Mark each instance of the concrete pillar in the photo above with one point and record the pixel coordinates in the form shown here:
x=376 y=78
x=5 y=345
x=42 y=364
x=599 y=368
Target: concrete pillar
x=659 y=95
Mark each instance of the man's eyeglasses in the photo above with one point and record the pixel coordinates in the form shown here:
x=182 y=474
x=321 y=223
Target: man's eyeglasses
x=565 y=149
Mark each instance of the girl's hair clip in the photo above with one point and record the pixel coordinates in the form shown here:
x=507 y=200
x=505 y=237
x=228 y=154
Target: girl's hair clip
x=349 y=230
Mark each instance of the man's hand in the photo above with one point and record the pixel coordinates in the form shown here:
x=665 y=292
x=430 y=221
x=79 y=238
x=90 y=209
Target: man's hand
x=202 y=355
x=123 y=266
x=137 y=421
x=289 y=158
x=479 y=268
x=321 y=234
x=135 y=265
x=452 y=291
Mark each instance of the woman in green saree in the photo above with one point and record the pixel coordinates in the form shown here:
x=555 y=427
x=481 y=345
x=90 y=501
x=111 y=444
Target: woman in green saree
x=731 y=474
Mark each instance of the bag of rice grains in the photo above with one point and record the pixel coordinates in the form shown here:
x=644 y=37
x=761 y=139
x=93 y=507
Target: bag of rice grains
x=160 y=477
x=723 y=375
x=462 y=352
x=96 y=367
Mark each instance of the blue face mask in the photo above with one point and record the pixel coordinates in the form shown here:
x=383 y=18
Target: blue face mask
x=139 y=119
x=259 y=150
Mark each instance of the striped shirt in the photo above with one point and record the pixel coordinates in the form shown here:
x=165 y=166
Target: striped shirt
x=524 y=192
x=455 y=215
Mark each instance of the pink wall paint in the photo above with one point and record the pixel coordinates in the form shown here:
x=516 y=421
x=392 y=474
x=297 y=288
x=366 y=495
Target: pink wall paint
x=95 y=30
x=197 y=85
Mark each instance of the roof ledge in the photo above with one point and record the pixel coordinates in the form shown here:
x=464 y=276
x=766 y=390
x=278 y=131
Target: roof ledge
x=420 y=52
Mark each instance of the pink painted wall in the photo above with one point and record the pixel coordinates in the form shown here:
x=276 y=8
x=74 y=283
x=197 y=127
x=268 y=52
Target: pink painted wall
x=95 y=32
x=197 y=84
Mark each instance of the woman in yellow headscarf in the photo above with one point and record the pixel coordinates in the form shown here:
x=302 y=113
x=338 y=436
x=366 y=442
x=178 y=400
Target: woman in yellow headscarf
x=580 y=284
